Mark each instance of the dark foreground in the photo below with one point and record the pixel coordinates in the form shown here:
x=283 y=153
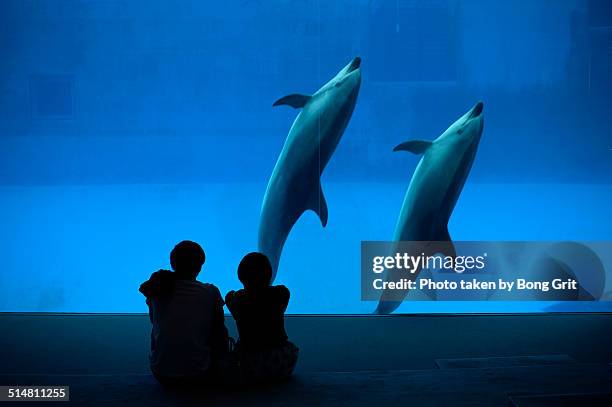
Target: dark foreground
x=403 y=360
x=554 y=384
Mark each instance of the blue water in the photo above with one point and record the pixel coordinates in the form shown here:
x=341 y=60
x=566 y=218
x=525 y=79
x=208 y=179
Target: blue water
x=127 y=126
x=88 y=247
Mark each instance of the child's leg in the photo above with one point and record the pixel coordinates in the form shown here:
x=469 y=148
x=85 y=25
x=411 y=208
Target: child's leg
x=270 y=365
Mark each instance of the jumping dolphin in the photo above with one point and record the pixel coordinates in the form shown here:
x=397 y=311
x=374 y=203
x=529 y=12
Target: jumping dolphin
x=433 y=192
x=295 y=184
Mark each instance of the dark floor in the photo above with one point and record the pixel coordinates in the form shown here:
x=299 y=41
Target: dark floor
x=451 y=387
x=436 y=360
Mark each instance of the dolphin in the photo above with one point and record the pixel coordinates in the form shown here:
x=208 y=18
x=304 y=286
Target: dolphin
x=433 y=192
x=295 y=184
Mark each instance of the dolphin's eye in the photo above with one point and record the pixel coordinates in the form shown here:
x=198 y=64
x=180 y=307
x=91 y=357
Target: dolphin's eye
x=338 y=84
x=460 y=131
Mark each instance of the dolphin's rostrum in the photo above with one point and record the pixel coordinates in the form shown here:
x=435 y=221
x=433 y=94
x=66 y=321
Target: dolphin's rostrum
x=433 y=192
x=295 y=184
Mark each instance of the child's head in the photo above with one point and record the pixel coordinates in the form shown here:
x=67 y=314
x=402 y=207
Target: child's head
x=255 y=271
x=187 y=259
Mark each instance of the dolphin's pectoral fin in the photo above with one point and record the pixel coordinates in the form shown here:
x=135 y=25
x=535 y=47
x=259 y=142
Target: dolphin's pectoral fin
x=414 y=146
x=294 y=100
x=319 y=206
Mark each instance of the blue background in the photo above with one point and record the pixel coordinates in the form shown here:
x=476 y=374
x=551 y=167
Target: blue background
x=127 y=126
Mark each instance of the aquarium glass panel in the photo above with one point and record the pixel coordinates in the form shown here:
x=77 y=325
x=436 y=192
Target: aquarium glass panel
x=246 y=125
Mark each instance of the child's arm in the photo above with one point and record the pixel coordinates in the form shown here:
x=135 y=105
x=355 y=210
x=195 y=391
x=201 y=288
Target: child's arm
x=283 y=295
x=160 y=283
x=218 y=334
x=229 y=297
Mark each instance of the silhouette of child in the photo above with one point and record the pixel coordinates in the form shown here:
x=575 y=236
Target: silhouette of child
x=188 y=337
x=263 y=350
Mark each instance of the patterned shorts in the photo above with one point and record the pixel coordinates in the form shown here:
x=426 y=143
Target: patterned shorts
x=269 y=365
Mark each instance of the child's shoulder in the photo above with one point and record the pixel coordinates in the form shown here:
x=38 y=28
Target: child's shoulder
x=232 y=296
x=236 y=293
x=279 y=288
x=208 y=287
x=280 y=291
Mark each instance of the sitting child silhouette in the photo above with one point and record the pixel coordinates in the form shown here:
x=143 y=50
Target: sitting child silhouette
x=263 y=349
x=188 y=337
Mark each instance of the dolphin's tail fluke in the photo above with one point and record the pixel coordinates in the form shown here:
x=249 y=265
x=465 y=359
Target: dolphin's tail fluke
x=276 y=224
x=390 y=300
x=272 y=250
x=386 y=307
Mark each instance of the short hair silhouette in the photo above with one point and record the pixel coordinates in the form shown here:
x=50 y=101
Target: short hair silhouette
x=255 y=271
x=187 y=258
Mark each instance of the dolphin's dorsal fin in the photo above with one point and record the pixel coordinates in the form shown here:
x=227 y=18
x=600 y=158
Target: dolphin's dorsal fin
x=294 y=100
x=414 y=146
x=318 y=205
